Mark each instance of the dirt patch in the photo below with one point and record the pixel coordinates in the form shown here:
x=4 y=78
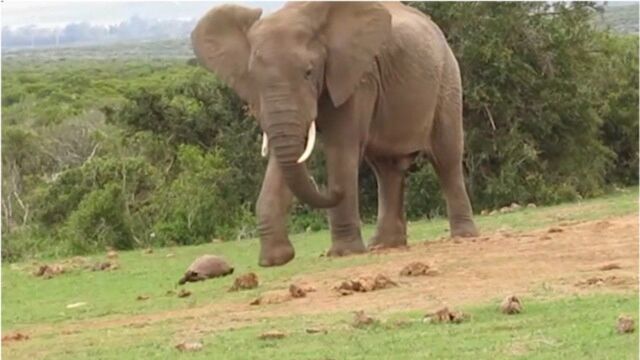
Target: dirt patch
x=470 y=273
x=245 y=282
x=271 y=298
x=364 y=284
x=418 y=268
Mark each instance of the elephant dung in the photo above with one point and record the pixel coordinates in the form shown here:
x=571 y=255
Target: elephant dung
x=625 y=324
x=296 y=291
x=418 y=269
x=511 y=305
x=445 y=315
x=245 y=282
x=364 y=284
x=361 y=319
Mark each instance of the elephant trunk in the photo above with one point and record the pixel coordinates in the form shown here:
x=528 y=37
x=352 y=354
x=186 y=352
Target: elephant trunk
x=287 y=141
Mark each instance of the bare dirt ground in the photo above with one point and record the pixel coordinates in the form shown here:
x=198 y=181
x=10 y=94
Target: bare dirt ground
x=568 y=258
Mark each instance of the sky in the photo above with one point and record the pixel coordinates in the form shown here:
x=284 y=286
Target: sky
x=59 y=13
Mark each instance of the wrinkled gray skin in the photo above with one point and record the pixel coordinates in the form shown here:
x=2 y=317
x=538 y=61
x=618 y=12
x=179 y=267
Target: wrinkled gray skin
x=381 y=84
x=206 y=267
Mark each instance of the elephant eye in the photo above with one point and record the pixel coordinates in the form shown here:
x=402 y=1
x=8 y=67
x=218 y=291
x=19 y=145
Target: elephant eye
x=307 y=74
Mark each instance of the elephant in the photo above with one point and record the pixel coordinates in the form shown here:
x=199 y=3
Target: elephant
x=373 y=81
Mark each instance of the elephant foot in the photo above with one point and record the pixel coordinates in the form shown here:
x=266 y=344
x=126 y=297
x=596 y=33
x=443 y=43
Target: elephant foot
x=387 y=241
x=276 y=255
x=464 y=229
x=347 y=248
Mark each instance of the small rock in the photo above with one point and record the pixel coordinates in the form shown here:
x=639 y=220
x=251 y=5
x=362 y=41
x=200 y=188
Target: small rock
x=142 y=297
x=625 y=324
x=554 y=230
x=183 y=293
x=272 y=335
x=485 y=212
x=511 y=305
x=112 y=254
x=148 y=251
x=515 y=206
x=505 y=209
x=189 y=346
x=493 y=212
x=76 y=305
x=315 y=331
x=245 y=282
x=531 y=206
x=170 y=255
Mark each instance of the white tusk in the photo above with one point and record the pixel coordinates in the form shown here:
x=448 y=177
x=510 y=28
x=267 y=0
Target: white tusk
x=311 y=141
x=265 y=144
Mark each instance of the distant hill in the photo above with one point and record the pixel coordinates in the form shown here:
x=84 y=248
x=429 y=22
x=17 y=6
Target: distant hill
x=622 y=19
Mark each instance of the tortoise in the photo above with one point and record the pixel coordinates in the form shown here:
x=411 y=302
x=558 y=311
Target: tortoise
x=206 y=267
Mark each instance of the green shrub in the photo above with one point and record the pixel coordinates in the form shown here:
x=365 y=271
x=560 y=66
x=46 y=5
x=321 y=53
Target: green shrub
x=101 y=220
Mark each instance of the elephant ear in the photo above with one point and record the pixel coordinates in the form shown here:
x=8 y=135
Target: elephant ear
x=355 y=33
x=220 y=44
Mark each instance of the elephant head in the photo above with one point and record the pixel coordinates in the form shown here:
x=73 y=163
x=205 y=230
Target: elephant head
x=282 y=63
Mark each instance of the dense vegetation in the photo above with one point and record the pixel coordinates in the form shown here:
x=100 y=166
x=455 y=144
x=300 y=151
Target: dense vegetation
x=129 y=153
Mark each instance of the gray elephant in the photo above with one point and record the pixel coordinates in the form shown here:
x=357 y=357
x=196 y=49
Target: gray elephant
x=374 y=81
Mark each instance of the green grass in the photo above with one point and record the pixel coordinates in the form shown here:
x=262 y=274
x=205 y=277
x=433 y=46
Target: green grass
x=570 y=327
x=28 y=300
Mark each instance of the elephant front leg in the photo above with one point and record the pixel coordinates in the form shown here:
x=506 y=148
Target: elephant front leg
x=344 y=219
x=391 y=228
x=272 y=208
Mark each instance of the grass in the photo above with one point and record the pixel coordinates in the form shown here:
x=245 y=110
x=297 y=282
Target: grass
x=570 y=327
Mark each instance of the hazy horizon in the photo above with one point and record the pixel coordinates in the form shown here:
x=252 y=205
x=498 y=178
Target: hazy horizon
x=48 y=14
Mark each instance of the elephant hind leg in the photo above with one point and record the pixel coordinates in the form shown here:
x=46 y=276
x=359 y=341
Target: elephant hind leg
x=391 y=228
x=447 y=145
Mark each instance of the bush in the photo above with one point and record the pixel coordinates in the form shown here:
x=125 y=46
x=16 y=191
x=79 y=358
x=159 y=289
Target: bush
x=101 y=220
x=199 y=204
